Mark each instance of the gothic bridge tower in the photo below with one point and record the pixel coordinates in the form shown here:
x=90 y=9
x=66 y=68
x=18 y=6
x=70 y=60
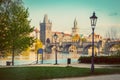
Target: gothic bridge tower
x=46 y=30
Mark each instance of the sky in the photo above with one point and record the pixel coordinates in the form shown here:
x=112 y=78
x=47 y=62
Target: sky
x=62 y=14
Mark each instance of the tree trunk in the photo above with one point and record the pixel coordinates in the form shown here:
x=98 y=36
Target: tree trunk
x=13 y=54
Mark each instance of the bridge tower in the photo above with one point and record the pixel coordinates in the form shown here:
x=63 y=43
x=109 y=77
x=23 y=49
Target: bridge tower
x=46 y=30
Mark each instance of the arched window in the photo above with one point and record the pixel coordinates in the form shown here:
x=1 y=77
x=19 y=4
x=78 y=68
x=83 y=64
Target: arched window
x=48 y=40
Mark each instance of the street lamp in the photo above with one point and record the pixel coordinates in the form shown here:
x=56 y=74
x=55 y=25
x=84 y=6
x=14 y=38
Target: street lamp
x=36 y=31
x=55 y=37
x=62 y=34
x=93 y=19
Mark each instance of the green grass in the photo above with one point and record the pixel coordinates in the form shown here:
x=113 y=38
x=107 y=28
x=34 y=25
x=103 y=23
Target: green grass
x=38 y=73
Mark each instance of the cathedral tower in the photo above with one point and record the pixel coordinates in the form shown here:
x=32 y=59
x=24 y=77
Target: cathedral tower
x=46 y=30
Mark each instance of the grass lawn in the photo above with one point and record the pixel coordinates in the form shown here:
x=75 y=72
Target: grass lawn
x=39 y=73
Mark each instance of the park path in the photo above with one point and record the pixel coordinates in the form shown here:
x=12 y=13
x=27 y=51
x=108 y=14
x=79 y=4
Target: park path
x=64 y=65
x=100 y=77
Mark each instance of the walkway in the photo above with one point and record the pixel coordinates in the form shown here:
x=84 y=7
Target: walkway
x=64 y=65
x=101 y=77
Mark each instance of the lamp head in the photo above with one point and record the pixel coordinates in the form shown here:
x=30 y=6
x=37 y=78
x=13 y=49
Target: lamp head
x=93 y=19
x=55 y=36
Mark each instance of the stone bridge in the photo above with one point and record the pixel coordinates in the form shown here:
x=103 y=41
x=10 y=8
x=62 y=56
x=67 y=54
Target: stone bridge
x=64 y=46
x=110 y=44
x=87 y=45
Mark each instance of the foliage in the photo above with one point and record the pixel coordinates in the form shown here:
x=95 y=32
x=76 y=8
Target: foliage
x=38 y=44
x=113 y=33
x=3 y=27
x=84 y=40
x=14 y=27
x=118 y=53
x=26 y=52
x=118 y=49
x=100 y=59
x=76 y=38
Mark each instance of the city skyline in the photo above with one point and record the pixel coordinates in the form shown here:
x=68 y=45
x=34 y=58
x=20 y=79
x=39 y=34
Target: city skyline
x=63 y=12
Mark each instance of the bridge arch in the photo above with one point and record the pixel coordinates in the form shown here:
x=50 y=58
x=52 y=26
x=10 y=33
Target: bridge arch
x=70 y=48
x=87 y=50
x=109 y=45
x=112 y=48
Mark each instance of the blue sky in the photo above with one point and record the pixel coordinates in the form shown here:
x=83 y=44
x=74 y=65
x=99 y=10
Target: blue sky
x=63 y=12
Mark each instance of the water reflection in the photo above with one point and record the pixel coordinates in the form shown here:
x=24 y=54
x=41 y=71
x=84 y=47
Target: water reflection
x=48 y=58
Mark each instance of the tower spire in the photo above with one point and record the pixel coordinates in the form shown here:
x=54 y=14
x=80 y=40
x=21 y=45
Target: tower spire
x=46 y=30
x=75 y=23
x=75 y=29
x=45 y=18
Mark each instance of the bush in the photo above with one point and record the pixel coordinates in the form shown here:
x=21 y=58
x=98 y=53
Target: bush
x=100 y=59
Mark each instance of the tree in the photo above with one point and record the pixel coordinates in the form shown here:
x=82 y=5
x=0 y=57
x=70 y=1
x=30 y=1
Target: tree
x=16 y=27
x=3 y=26
x=76 y=38
x=84 y=40
x=113 y=33
x=118 y=49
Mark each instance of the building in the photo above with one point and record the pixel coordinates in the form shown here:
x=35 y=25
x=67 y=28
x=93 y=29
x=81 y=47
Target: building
x=46 y=30
x=97 y=38
x=46 y=34
x=75 y=32
x=75 y=29
x=62 y=37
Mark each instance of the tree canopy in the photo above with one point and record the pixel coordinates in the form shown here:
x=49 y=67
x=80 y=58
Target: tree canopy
x=15 y=27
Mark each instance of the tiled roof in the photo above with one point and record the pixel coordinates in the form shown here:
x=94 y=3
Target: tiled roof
x=65 y=34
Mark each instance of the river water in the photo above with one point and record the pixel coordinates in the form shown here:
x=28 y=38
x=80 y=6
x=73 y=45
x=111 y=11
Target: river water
x=47 y=59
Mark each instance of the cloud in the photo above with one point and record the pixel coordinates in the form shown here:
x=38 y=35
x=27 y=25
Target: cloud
x=113 y=14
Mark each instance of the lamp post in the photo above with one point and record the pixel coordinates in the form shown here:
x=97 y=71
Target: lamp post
x=36 y=31
x=55 y=37
x=62 y=34
x=93 y=19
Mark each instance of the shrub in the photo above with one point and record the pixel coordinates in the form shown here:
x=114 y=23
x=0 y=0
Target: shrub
x=100 y=59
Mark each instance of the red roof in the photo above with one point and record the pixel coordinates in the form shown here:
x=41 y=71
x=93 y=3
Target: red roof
x=65 y=34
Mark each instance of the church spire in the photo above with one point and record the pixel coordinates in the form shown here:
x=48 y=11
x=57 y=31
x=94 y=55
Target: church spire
x=75 y=23
x=45 y=18
x=75 y=29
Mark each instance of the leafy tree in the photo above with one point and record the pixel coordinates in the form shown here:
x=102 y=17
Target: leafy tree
x=84 y=40
x=14 y=27
x=118 y=49
x=3 y=26
x=76 y=38
x=113 y=33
